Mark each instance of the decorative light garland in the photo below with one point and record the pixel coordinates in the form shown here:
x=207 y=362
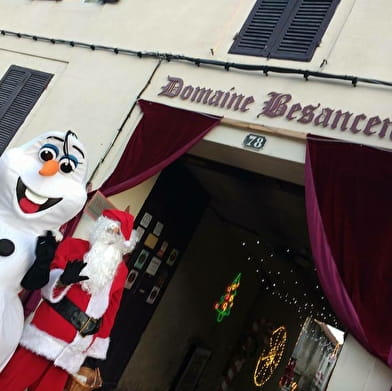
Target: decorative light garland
x=274 y=283
x=265 y=69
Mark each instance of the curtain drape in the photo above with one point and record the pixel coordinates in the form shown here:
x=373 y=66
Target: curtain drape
x=163 y=134
x=348 y=191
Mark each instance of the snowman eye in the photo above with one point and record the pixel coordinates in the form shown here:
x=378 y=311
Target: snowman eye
x=68 y=163
x=48 y=152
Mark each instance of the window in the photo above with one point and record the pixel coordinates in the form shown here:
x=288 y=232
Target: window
x=20 y=89
x=285 y=29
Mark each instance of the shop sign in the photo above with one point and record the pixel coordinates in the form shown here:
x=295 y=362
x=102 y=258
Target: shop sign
x=280 y=104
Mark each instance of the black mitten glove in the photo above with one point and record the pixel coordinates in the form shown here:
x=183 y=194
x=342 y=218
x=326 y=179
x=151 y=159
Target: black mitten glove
x=92 y=362
x=38 y=275
x=71 y=273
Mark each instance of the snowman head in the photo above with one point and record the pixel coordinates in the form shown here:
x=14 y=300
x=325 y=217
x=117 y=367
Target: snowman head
x=43 y=182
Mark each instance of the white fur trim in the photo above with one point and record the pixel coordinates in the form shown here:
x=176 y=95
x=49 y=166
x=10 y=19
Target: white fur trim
x=48 y=290
x=58 y=235
x=68 y=356
x=72 y=357
x=42 y=343
x=131 y=243
x=99 y=303
x=99 y=348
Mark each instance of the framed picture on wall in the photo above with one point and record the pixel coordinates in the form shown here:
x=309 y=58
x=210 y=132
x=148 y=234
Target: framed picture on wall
x=141 y=259
x=162 y=249
x=158 y=228
x=153 y=266
x=153 y=295
x=193 y=369
x=151 y=241
x=97 y=205
x=140 y=232
x=145 y=222
x=132 y=276
x=171 y=260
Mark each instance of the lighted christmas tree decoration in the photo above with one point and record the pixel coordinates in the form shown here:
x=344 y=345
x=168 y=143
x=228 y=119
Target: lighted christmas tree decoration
x=226 y=302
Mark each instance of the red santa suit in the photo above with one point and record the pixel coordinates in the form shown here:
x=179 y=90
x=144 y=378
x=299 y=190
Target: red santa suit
x=52 y=337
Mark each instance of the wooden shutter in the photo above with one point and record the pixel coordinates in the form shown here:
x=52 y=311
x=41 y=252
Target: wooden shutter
x=303 y=33
x=20 y=88
x=285 y=29
x=255 y=36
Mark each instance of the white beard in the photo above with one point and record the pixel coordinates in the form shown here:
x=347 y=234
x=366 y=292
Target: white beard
x=102 y=262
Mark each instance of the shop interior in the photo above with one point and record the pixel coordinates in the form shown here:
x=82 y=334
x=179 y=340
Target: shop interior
x=242 y=307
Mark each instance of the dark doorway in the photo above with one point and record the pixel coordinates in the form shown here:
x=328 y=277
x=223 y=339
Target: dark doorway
x=166 y=223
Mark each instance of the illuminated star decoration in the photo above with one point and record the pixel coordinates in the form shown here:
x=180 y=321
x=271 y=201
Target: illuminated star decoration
x=224 y=305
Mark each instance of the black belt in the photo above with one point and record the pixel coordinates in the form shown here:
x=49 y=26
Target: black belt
x=86 y=325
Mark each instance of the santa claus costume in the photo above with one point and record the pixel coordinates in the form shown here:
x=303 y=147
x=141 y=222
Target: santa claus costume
x=75 y=319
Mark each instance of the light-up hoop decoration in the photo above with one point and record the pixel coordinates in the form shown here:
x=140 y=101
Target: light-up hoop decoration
x=270 y=357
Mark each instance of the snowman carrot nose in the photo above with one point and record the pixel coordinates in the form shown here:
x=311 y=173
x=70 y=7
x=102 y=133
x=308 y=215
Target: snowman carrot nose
x=50 y=168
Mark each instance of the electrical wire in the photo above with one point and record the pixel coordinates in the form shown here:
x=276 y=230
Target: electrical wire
x=266 y=69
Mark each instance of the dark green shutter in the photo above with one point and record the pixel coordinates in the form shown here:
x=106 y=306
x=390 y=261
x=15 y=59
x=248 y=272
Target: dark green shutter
x=20 y=88
x=286 y=29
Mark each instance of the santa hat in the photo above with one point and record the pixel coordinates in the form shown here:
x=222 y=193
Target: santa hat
x=126 y=225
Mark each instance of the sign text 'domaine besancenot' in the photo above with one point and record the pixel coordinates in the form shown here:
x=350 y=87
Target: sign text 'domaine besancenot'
x=280 y=105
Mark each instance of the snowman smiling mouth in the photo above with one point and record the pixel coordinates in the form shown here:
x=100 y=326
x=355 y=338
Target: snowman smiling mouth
x=31 y=202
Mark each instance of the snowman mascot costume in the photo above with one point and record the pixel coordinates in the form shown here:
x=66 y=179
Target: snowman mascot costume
x=43 y=185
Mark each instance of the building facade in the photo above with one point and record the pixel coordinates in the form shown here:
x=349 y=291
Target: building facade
x=271 y=71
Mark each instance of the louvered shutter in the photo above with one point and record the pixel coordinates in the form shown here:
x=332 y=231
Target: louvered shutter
x=291 y=33
x=20 y=88
x=304 y=30
x=261 y=26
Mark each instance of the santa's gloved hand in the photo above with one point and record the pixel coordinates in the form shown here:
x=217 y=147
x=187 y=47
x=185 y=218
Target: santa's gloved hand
x=71 y=273
x=91 y=362
x=38 y=275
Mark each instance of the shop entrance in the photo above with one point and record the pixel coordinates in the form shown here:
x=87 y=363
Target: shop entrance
x=240 y=238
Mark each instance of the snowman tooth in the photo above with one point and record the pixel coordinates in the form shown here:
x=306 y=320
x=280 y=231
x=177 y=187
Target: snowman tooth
x=34 y=197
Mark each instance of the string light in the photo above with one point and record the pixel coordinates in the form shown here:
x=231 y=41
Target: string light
x=273 y=283
x=198 y=61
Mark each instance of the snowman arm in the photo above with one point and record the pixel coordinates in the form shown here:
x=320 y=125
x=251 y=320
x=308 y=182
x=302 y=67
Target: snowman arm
x=35 y=278
x=38 y=274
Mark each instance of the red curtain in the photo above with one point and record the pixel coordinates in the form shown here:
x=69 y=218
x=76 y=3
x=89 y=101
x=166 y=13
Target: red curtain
x=348 y=198
x=163 y=134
